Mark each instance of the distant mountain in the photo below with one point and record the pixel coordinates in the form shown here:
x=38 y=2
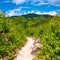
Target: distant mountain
x=31 y=15
x=35 y=15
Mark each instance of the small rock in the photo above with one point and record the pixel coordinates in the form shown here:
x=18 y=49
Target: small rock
x=54 y=59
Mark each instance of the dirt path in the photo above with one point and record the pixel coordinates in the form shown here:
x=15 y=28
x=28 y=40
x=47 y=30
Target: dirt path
x=25 y=52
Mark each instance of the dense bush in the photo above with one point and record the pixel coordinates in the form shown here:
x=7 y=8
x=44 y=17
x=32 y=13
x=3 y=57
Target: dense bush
x=14 y=30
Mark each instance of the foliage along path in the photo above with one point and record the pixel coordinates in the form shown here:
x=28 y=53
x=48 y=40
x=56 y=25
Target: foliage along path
x=25 y=52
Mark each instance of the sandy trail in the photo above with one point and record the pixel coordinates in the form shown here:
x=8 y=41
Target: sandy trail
x=25 y=52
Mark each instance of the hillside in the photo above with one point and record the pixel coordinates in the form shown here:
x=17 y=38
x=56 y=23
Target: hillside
x=14 y=30
x=36 y=15
x=31 y=15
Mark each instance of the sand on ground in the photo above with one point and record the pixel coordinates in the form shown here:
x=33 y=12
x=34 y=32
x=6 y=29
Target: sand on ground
x=25 y=52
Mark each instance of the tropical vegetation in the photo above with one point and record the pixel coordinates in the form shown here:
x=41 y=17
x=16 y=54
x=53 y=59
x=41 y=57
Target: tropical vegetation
x=14 y=30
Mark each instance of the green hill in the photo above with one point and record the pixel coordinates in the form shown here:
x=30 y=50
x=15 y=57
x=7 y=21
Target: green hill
x=14 y=30
x=31 y=15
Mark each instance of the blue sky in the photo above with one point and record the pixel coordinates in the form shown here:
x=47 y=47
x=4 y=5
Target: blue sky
x=20 y=7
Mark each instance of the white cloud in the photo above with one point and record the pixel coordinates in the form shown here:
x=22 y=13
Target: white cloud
x=54 y=2
x=32 y=11
x=11 y=13
x=25 y=13
x=45 y=2
x=49 y=13
x=42 y=13
x=38 y=12
x=28 y=12
x=15 y=12
x=37 y=2
x=52 y=13
x=17 y=2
